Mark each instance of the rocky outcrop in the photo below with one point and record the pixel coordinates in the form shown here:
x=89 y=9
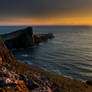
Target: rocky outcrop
x=41 y=37
x=24 y=38
x=21 y=40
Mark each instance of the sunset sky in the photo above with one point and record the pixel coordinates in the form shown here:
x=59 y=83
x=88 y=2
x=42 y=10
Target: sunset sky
x=45 y=12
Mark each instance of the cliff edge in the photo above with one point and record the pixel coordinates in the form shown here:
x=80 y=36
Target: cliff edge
x=24 y=38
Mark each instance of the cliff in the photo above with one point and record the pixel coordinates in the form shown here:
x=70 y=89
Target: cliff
x=24 y=38
x=21 y=40
x=5 y=53
x=20 y=77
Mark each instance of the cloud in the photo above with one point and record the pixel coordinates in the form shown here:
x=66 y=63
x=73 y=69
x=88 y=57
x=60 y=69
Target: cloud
x=42 y=8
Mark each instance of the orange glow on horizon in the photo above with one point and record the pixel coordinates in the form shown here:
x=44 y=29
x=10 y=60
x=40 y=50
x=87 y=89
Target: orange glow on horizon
x=48 y=21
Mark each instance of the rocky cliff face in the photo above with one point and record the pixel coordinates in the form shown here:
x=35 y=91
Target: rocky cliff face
x=5 y=54
x=19 y=77
x=22 y=40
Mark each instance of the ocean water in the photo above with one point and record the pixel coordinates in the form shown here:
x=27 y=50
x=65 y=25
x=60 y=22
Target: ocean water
x=68 y=54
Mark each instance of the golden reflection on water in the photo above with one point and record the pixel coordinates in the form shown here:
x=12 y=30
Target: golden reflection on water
x=85 y=74
x=88 y=67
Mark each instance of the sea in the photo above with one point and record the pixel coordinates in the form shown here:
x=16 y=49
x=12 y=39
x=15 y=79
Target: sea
x=69 y=54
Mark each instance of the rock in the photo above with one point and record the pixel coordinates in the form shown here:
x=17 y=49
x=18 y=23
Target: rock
x=89 y=82
x=9 y=81
x=31 y=85
x=49 y=89
x=2 y=90
x=21 y=86
x=9 y=67
x=0 y=60
x=19 y=82
x=50 y=35
x=2 y=83
x=21 y=77
x=6 y=75
x=42 y=37
x=2 y=74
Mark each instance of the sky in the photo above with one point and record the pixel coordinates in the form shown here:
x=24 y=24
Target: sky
x=45 y=12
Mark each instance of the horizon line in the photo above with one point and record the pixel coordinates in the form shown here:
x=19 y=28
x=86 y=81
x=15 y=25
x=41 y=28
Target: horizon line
x=47 y=25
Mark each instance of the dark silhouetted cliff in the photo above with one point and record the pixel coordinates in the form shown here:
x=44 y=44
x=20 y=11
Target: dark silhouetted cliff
x=24 y=38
